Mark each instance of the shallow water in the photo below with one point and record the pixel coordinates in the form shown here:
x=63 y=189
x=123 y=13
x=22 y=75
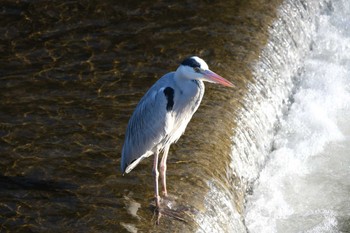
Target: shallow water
x=71 y=75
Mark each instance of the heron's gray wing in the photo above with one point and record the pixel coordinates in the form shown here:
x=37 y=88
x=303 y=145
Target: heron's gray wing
x=148 y=126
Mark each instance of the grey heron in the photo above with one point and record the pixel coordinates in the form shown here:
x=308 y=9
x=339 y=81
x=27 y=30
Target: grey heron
x=161 y=116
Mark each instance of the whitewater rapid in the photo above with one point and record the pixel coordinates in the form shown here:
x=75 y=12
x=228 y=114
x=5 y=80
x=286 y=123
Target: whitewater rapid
x=305 y=185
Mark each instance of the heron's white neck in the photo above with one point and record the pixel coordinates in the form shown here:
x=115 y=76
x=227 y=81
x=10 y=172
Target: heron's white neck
x=185 y=83
x=181 y=77
x=186 y=72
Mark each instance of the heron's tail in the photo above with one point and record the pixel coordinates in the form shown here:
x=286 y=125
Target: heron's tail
x=126 y=166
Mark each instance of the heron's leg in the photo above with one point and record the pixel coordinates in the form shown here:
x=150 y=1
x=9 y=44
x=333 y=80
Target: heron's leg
x=163 y=170
x=156 y=175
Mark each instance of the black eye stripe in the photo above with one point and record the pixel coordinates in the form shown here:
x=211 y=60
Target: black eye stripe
x=191 y=62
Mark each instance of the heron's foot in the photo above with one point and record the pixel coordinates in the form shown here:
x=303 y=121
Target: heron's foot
x=157 y=214
x=169 y=208
x=176 y=214
x=157 y=208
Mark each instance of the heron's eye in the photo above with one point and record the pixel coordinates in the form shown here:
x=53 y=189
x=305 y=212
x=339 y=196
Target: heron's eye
x=197 y=69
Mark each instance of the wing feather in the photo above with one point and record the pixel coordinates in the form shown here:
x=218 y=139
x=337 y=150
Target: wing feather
x=148 y=126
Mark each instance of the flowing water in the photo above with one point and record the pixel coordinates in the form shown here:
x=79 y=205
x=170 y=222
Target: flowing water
x=305 y=185
x=269 y=155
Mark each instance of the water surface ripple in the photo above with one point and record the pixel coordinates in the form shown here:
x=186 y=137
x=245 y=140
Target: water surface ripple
x=71 y=74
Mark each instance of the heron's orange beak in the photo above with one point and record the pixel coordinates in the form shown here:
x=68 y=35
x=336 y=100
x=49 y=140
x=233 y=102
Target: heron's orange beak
x=210 y=76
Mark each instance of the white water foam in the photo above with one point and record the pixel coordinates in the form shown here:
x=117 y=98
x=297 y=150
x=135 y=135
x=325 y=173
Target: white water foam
x=305 y=185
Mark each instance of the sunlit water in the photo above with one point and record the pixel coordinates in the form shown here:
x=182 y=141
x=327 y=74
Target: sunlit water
x=305 y=185
x=73 y=71
x=71 y=74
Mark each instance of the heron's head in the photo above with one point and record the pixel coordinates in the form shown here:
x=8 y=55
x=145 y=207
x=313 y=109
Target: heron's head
x=196 y=68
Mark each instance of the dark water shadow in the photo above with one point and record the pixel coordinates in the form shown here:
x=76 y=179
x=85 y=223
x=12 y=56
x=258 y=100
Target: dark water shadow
x=29 y=183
